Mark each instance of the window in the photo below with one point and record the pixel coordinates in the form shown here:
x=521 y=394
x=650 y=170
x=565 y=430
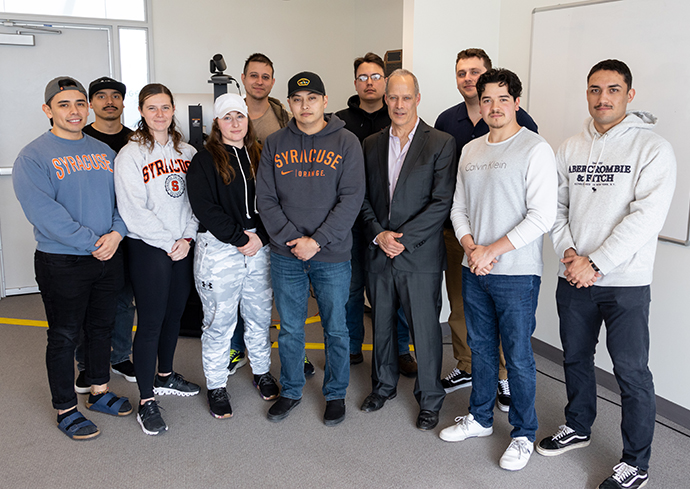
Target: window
x=98 y=9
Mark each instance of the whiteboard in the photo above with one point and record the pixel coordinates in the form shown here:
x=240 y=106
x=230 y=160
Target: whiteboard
x=652 y=38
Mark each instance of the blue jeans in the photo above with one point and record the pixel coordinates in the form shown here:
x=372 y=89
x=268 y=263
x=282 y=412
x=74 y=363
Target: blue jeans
x=291 y=278
x=354 y=308
x=625 y=312
x=78 y=293
x=500 y=308
x=237 y=341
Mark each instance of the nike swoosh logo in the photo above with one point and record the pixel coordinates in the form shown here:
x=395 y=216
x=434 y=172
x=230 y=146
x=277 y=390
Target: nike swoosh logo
x=285 y=172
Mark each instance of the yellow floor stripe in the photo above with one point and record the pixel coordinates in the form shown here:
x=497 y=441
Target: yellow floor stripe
x=308 y=346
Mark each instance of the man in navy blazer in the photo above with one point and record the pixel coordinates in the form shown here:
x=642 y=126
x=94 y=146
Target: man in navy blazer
x=410 y=170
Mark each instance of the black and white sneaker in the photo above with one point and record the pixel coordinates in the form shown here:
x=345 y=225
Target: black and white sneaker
x=563 y=440
x=219 y=403
x=174 y=384
x=455 y=380
x=266 y=384
x=503 y=395
x=625 y=477
x=126 y=369
x=150 y=419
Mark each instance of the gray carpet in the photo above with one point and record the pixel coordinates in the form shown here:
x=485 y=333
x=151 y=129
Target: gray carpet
x=377 y=450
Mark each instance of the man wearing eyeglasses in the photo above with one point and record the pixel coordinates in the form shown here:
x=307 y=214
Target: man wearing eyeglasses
x=365 y=115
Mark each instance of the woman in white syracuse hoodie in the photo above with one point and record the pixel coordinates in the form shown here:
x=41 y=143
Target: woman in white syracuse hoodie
x=151 y=190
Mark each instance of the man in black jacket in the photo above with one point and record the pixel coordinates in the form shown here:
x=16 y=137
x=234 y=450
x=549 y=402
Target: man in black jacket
x=409 y=171
x=367 y=114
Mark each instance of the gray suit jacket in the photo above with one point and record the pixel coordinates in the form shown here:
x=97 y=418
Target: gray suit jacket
x=421 y=201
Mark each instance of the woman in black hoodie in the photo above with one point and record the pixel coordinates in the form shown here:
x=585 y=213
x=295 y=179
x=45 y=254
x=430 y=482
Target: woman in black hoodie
x=232 y=264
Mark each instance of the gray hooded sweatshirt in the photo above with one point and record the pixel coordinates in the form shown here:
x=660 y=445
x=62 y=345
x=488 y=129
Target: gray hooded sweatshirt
x=311 y=185
x=614 y=192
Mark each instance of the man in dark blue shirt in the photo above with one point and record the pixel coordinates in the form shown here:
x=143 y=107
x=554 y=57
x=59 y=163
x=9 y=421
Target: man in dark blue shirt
x=464 y=123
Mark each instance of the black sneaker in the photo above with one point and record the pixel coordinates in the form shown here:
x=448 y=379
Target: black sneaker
x=335 y=412
x=309 y=370
x=267 y=386
x=455 y=380
x=219 y=403
x=503 y=395
x=174 y=384
x=237 y=360
x=625 y=477
x=563 y=440
x=281 y=408
x=150 y=419
x=356 y=358
x=80 y=385
x=126 y=369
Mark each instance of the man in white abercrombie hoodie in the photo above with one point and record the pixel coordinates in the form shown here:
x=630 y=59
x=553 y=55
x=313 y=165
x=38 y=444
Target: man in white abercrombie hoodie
x=616 y=180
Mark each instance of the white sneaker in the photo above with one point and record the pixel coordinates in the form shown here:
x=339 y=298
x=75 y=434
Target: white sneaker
x=517 y=454
x=465 y=428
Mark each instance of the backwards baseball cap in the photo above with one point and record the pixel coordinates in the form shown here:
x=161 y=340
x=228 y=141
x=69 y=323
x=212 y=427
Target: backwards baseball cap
x=306 y=80
x=104 y=83
x=60 y=84
x=229 y=102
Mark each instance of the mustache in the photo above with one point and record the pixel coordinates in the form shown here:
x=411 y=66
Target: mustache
x=603 y=105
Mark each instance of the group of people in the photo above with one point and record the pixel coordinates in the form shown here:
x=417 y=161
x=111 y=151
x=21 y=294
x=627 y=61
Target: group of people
x=281 y=205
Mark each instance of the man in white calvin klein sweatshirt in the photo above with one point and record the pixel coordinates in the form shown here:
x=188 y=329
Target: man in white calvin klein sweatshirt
x=616 y=180
x=505 y=200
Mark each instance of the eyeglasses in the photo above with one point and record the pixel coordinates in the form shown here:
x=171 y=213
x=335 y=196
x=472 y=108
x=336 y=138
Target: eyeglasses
x=374 y=77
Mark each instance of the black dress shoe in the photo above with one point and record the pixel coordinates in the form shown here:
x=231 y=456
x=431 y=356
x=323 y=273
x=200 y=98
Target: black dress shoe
x=356 y=358
x=374 y=402
x=281 y=408
x=335 y=412
x=427 y=420
x=406 y=365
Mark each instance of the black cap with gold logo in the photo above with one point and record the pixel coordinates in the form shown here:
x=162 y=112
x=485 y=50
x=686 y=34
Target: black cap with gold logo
x=306 y=80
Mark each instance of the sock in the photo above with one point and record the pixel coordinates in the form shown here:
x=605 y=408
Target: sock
x=65 y=414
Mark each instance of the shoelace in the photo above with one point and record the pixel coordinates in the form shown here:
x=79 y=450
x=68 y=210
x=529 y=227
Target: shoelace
x=265 y=379
x=452 y=374
x=505 y=387
x=464 y=421
x=219 y=394
x=521 y=446
x=563 y=430
x=151 y=407
x=623 y=471
x=234 y=354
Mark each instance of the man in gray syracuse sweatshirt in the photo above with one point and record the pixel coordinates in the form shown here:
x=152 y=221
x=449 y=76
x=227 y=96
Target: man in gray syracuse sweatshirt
x=616 y=181
x=309 y=188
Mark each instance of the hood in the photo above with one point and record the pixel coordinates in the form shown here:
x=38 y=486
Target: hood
x=634 y=119
x=333 y=123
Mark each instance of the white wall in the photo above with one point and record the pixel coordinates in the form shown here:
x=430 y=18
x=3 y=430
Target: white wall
x=298 y=35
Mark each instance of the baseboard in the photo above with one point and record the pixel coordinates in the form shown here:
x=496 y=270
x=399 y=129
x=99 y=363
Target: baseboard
x=664 y=407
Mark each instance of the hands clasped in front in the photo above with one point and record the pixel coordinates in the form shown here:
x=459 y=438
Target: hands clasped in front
x=578 y=271
x=479 y=258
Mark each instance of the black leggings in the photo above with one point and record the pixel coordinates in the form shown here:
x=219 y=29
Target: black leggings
x=161 y=288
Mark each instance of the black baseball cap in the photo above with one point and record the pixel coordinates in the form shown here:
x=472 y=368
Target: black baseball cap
x=306 y=80
x=104 y=83
x=60 y=84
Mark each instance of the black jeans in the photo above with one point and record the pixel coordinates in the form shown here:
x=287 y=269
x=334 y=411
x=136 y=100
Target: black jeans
x=625 y=312
x=78 y=292
x=161 y=289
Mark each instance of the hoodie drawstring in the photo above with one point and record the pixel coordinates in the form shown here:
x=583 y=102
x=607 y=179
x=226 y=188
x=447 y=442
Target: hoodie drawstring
x=601 y=153
x=239 y=163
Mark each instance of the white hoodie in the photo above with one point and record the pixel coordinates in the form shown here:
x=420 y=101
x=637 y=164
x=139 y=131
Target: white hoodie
x=613 y=196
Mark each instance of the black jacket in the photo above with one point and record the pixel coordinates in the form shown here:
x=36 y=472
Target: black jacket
x=224 y=210
x=361 y=123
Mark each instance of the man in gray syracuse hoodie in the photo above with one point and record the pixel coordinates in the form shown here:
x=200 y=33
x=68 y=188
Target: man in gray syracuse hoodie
x=310 y=187
x=616 y=180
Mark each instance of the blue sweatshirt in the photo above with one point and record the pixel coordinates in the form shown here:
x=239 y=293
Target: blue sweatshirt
x=66 y=190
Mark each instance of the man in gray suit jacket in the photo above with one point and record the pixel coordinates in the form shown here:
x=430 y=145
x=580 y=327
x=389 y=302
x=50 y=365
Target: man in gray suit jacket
x=410 y=182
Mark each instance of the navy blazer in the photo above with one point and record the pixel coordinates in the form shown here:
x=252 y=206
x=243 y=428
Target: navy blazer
x=421 y=201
